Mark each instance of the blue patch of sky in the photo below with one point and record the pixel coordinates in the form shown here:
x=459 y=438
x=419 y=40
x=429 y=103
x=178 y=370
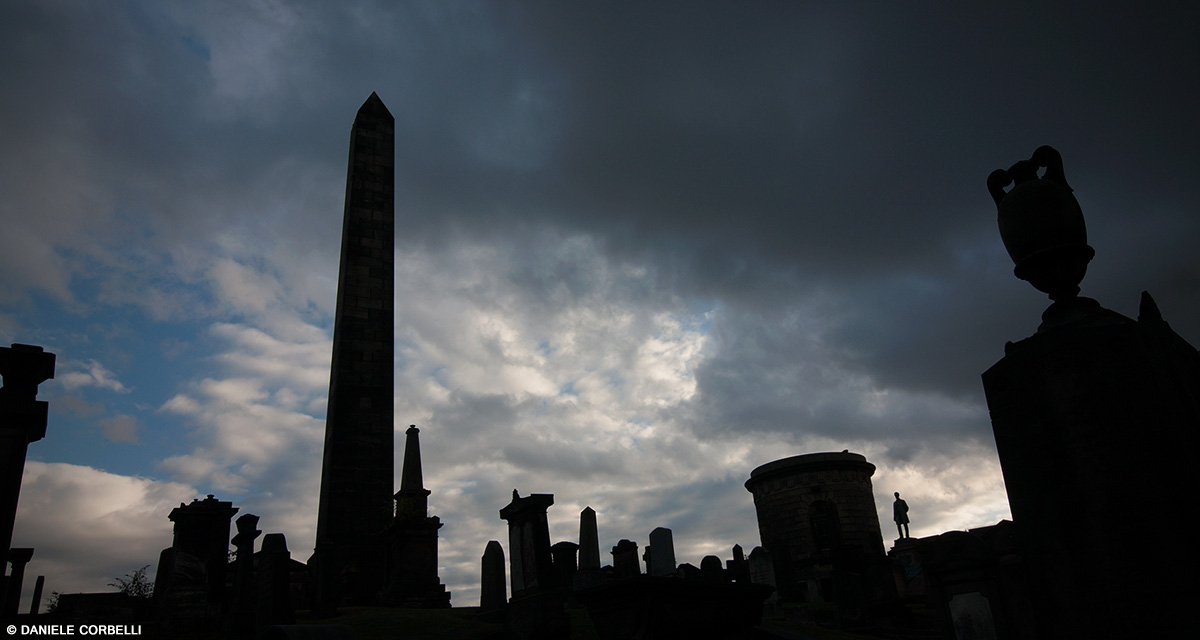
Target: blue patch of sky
x=152 y=360
x=195 y=45
x=441 y=375
x=158 y=26
x=702 y=311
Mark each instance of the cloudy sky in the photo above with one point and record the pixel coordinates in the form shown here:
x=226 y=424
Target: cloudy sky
x=642 y=248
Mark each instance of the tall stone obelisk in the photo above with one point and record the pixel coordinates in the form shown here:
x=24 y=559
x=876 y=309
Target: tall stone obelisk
x=357 y=468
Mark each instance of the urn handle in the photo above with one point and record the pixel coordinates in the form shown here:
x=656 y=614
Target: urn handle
x=1044 y=157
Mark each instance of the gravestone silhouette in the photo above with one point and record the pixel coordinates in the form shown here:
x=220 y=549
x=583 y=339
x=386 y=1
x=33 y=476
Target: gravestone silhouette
x=662 y=553
x=22 y=422
x=536 y=607
x=493 y=600
x=625 y=560
x=273 y=577
x=240 y=621
x=189 y=586
x=18 y=557
x=589 y=541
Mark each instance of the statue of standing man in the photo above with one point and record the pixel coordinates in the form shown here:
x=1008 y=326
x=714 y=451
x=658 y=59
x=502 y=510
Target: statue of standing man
x=900 y=515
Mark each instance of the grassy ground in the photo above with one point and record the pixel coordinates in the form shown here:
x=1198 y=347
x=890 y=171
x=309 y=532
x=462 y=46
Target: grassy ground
x=807 y=622
x=462 y=623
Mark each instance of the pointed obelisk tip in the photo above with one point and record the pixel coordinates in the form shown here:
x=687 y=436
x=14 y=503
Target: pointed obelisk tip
x=410 y=474
x=374 y=104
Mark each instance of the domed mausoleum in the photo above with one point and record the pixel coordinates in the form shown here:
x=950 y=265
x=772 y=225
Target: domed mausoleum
x=817 y=518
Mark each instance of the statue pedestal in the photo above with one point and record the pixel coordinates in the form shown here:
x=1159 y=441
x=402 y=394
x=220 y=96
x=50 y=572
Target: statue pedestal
x=1095 y=418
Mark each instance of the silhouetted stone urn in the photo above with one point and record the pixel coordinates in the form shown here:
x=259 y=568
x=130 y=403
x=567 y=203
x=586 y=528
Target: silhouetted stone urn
x=1042 y=225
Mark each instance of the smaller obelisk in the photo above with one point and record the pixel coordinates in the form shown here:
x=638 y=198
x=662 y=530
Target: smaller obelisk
x=412 y=500
x=412 y=539
x=589 y=542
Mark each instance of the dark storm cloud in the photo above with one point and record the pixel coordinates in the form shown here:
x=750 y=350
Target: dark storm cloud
x=760 y=155
x=757 y=154
x=729 y=145
x=778 y=134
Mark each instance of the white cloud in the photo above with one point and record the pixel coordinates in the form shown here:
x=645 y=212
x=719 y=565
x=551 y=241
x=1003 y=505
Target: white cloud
x=245 y=288
x=89 y=526
x=93 y=374
x=256 y=439
x=959 y=488
x=299 y=364
x=76 y=405
x=119 y=428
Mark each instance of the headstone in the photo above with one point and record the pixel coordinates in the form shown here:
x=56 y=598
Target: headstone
x=492 y=587
x=189 y=588
x=625 y=559
x=662 y=558
x=564 y=554
x=529 y=542
x=240 y=622
x=712 y=569
x=22 y=422
x=689 y=572
x=589 y=541
x=536 y=609
x=37 y=595
x=274 y=578
x=18 y=557
x=357 y=467
x=762 y=570
x=738 y=568
x=971 y=616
